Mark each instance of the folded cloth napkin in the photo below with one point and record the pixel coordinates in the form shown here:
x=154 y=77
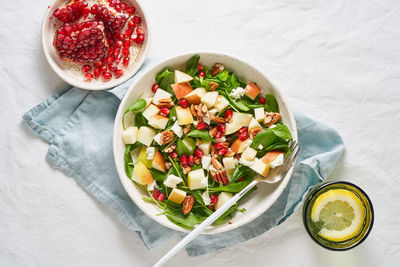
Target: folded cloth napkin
x=78 y=125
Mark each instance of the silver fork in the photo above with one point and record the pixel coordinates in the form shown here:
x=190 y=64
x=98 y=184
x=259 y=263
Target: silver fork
x=274 y=176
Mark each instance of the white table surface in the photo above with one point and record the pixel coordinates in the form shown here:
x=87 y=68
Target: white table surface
x=337 y=61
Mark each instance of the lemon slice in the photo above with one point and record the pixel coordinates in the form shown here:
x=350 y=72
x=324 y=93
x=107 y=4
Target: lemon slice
x=341 y=213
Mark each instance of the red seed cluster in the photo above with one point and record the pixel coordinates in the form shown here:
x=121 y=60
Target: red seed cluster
x=72 y=12
x=98 y=40
x=81 y=42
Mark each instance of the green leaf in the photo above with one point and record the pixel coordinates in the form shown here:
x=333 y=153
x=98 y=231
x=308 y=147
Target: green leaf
x=140 y=120
x=165 y=73
x=223 y=218
x=165 y=79
x=128 y=160
x=223 y=75
x=242 y=171
x=191 y=65
x=233 y=81
x=158 y=175
x=199 y=134
x=171 y=121
x=265 y=138
x=231 y=188
x=135 y=107
x=282 y=131
x=181 y=148
x=270 y=103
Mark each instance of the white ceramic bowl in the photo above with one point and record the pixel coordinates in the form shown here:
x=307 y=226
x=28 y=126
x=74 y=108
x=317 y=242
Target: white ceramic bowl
x=261 y=199
x=70 y=76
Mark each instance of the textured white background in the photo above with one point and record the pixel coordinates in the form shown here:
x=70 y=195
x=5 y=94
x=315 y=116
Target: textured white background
x=337 y=61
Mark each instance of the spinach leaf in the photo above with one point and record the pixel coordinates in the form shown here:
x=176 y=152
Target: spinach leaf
x=282 y=131
x=158 y=175
x=189 y=221
x=165 y=79
x=135 y=107
x=181 y=148
x=171 y=121
x=242 y=171
x=223 y=218
x=199 y=134
x=265 y=138
x=128 y=160
x=270 y=103
x=223 y=75
x=231 y=188
x=140 y=120
x=233 y=81
x=191 y=65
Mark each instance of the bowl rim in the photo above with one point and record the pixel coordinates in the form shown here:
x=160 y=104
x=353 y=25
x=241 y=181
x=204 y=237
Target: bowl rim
x=163 y=63
x=102 y=86
x=314 y=191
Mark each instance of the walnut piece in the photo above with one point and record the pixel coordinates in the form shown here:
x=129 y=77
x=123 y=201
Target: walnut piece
x=253 y=132
x=187 y=204
x=166 y=137
x=170 y=148
x=186 y=169
x=271 y=118
x=186 y=129
x=213 y=86
x=217 y=68
x=213 y=131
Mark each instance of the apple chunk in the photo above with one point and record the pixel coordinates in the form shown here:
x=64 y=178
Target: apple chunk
x=141 y=174
x=260 y=167
x=129 y=136
x=238 y=121
x=181 y=77
x=160 y=94
x=181 y=89
x=177 y=196
x=209 y=99
x=159 y=162
x=221 y=103
x=238 y=146
x=195 y=96
x=184 y=115
x=252 y=90
x=222 y=199
x=254 y=124
x=158 y=121
x=145 y=135
x=150 y=111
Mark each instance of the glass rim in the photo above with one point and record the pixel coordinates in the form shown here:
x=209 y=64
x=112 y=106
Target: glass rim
x=317 y=189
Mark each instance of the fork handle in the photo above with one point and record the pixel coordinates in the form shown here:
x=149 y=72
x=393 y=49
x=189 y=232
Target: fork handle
x=199 y=229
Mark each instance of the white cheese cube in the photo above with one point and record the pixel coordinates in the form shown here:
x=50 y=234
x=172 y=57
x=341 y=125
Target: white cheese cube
x=205 y=147
x=177 y=129
x=150 y=151
x=206 y=198
x=209 y=99
x=259 y=114
x=129 y=136
x=135 y=154
x=157 y=138
x=160 y=94
x=222 y=199
x=278 y=161
x=205 y=162
x=221 y=103
x=229 y=163
x=249 y=154
x=151 y=186
x=197 y=179
x=172 y=181
x=151 y=111
x=260 y=167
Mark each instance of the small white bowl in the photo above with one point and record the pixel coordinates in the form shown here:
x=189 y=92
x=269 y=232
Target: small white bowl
x=261 y=199
x=71 y=76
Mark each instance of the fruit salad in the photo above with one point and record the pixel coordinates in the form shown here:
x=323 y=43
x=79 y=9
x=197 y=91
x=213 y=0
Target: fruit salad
x=102 y=37
x=202 y=137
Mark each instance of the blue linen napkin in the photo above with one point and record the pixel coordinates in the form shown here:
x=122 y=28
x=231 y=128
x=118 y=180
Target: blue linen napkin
x=78 y=126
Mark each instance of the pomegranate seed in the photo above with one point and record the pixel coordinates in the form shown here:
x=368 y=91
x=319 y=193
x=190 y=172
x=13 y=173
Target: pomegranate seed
x=86 y=68
x=139 y=31
x=223 y=151
x=103 y=69
x=88 y=77
x=164 y=111
x=155 y=87
x=71 y=12
x=96 y=73
x=156 y=193
x=137 y=19
x=243 y=130
x=244 y=136
x=228 y=114
x=118 y=43
x=161 y=197
x=116 y=52
x=125 y=52
x=112 y=67
x=173 y=155
x=202 y=126
x=183 y=160
x=218 y=135
x=86 y=11
x=126 y=61
x=98 y=64
x=222 y=127
x=198 y=153
x=118 y=73
x=241 y=179
x=130 y=11
x=262 y=100
x=106 y=76
x=191 y=160
x=183 y=103
x=219 y=146
x=140 y=39
x=214 y=199
x=202 y=74
x=110 y=59
x=200 y=67
x=131 y=24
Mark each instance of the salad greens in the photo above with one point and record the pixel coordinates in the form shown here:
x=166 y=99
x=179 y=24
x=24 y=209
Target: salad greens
x=190 y=165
